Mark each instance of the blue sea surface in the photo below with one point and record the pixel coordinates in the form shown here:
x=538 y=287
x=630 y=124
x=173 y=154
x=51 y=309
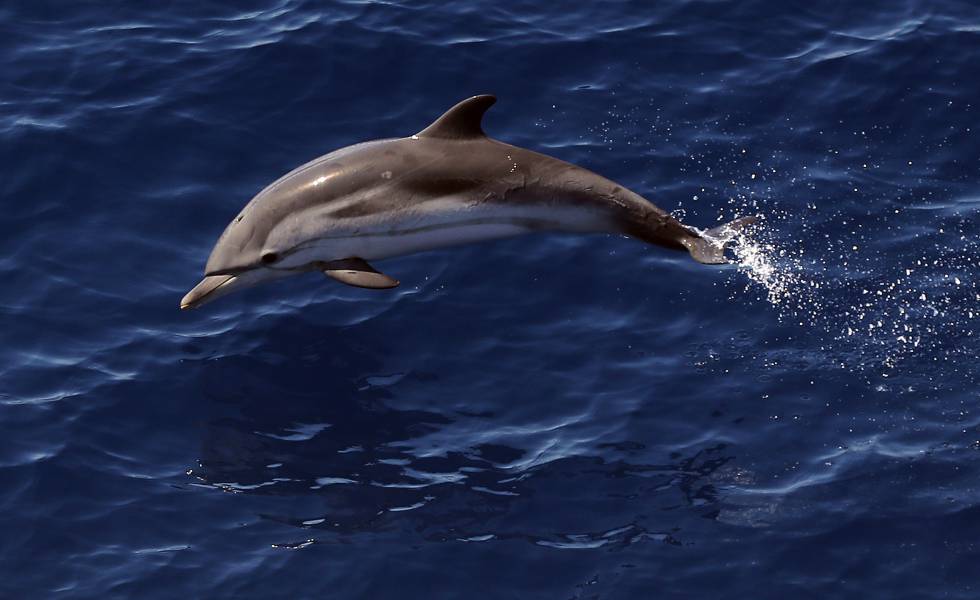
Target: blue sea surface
x=549 y=416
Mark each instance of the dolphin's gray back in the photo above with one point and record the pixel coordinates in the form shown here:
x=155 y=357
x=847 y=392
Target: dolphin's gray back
x=418 y=175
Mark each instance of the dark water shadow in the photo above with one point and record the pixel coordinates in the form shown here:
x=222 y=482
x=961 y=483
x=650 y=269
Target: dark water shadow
x=317 y=418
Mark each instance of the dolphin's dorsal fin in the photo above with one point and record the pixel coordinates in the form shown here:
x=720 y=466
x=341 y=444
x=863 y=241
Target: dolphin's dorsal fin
x=461 y=121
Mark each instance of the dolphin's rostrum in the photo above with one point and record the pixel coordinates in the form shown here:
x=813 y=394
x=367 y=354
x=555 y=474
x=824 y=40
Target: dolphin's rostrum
x=448 y=184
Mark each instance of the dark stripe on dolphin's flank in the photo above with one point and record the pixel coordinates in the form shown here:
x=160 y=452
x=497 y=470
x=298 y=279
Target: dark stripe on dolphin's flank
x=529 y=223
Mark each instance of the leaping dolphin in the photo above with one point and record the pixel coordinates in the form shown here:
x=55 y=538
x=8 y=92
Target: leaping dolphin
x=448 y=184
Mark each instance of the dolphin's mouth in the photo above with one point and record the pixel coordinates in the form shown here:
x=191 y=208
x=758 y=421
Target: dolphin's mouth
x=228 y=271
x=216 y=286
x=205 y=291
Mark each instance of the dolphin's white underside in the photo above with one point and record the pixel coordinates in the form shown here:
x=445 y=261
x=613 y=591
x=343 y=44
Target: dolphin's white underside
x=437 y=223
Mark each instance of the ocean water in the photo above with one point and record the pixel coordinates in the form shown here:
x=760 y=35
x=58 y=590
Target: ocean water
x=553 y=416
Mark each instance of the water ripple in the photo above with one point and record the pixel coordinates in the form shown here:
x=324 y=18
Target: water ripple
x=613 y=416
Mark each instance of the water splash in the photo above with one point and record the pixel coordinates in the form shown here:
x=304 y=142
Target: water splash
x=880 y=276
x=869 y=312
x=779 y=273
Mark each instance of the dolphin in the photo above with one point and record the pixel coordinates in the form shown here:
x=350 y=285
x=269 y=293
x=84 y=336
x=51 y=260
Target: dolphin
x=448 y=184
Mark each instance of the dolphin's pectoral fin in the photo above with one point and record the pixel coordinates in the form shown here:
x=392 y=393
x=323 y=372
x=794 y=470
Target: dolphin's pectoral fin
x=358 y=273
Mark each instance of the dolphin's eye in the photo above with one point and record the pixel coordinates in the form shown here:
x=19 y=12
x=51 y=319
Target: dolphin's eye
x=269 y=257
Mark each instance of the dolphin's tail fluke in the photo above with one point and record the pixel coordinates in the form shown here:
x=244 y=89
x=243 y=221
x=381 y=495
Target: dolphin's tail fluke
x=709 y=246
